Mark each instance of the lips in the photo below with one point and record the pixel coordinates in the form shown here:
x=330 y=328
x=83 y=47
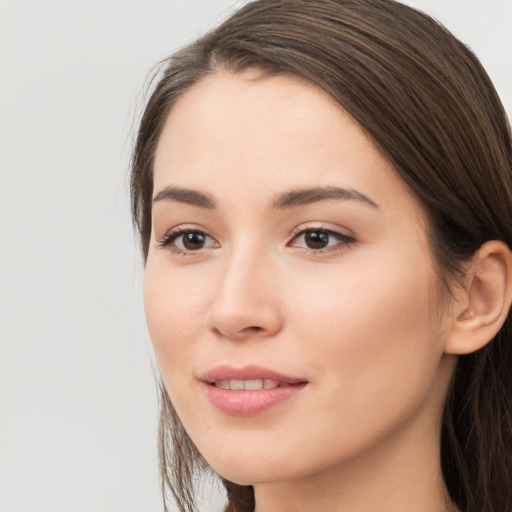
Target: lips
x=246 y=373
x=249 y=390
x=248 y=385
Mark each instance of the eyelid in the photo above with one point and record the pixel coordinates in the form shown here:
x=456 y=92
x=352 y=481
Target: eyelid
x=166 y=241
x=344 y=239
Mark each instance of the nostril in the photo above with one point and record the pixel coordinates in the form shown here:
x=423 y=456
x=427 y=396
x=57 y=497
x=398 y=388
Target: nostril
x=253 y=329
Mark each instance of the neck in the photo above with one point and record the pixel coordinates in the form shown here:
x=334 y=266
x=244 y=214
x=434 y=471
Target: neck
x=401 y=474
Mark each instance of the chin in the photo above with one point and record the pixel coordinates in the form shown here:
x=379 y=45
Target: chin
x=241 y=475
x=253 y=467
x=241 y=466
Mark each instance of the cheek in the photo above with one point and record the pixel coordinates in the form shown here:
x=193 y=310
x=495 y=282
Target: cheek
x=372 y=334
x=174 y=315
x=367 y=302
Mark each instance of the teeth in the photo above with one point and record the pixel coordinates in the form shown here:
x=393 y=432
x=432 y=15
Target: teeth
x=249 y=385
x=253 y=384
x=236 y=384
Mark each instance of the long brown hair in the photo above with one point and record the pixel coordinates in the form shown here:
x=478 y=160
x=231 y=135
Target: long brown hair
x=426 y=101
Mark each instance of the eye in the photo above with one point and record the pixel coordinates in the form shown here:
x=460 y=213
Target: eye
x=320 y=239
x=186 y=241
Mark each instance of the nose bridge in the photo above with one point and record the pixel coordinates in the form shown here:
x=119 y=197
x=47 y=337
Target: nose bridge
x=245 y=302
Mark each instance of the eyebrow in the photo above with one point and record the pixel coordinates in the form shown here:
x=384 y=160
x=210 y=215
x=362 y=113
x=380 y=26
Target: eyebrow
x=312 y=195
x=185 y=195
x=291 y=199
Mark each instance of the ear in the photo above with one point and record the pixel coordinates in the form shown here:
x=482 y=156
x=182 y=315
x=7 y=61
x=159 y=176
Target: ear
x=481 y=308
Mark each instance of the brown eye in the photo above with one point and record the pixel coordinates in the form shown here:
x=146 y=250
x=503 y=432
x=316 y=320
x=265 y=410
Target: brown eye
x=321 y=240
x=187 y=241
x=193 y=240
x=318 y=239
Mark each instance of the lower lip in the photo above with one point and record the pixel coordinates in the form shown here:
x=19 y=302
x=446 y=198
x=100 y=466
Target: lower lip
x=248 y=403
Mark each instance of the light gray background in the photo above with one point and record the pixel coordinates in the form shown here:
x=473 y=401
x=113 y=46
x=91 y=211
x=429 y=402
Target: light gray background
x=78 y=404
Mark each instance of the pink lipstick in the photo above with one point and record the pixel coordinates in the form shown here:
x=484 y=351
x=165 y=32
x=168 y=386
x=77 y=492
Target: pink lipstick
x=249 y=390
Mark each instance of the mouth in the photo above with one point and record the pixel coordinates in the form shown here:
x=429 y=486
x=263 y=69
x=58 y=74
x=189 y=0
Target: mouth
x=249 y=385
x=249 y=390
x=250 y=378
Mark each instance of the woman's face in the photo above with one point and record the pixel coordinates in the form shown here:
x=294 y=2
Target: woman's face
x=290 y=292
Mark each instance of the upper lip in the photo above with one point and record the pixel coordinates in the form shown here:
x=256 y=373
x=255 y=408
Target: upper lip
x=249 y=372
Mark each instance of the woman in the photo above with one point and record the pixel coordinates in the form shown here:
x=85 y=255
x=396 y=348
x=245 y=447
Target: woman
x=323 y=192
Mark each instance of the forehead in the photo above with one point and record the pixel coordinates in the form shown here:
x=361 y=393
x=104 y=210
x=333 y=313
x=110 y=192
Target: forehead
x=249 y=110
x=260 y=134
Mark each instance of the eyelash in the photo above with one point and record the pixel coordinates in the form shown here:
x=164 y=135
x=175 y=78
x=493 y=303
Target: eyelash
x=169 y=239
x=343 y=241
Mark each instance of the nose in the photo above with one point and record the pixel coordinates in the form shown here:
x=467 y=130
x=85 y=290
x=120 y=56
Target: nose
x=246 y=302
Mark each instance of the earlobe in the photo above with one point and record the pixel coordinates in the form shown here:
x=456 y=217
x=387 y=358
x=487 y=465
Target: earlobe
x=482 y=307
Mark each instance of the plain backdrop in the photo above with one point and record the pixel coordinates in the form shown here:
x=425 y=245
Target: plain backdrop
x=78 y=412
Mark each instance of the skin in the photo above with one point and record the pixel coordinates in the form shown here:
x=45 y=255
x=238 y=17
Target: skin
x=361 y=321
